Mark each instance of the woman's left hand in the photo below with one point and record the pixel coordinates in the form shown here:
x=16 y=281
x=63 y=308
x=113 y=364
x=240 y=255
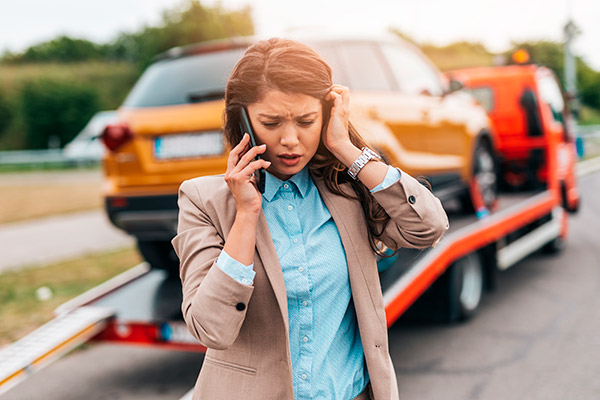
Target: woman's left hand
x=336 y=136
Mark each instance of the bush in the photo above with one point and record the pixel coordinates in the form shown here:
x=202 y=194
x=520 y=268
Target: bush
x=6 y=113
x=57 y=109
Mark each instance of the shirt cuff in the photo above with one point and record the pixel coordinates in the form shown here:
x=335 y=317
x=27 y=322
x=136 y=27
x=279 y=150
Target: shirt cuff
x=235 y=269
x=392 y=176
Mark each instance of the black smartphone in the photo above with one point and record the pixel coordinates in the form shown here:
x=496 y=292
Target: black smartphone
x=246 y=127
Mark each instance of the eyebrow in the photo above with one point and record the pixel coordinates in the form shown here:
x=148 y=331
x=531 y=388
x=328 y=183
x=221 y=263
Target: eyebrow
x=300 y=116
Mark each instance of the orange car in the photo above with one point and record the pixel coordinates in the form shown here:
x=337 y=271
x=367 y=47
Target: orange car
x=528 y=109
x=169 y=129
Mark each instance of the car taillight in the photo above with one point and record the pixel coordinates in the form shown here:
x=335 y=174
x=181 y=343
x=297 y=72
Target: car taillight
x=115 y=136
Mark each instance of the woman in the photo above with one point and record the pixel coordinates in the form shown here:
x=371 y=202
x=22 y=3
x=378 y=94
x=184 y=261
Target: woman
x=282 y=287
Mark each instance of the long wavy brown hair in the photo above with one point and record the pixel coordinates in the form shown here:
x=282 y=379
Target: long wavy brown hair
x=292 y=67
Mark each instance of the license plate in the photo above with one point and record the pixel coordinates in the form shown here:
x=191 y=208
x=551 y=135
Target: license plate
x=176 y=332
x=188 y=145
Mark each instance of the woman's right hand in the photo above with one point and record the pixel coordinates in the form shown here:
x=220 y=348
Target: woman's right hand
x=240 y=175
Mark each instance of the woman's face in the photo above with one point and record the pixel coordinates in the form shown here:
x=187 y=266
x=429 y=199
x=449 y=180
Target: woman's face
x=290 y=126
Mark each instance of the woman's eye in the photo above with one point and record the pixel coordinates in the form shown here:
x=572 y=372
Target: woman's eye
x=270 y=124
x=306 y=122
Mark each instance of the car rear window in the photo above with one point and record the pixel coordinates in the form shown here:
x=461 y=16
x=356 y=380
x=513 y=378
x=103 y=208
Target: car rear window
x=184 y=80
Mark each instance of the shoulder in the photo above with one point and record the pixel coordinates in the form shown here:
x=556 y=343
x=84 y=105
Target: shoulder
x=206 y=189
x=204 y=185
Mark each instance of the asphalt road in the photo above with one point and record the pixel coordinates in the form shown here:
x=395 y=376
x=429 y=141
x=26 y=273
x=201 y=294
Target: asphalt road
x=536 y=337
x=58 y=237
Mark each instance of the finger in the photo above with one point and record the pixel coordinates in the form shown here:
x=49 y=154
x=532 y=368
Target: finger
x=337 y=99
x=340 y=89
x=345 y=93
x=235 y=153
x=254 y=166
x=249 y=156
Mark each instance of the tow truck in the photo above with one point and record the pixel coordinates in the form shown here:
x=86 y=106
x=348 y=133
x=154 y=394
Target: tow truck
x=142 y=305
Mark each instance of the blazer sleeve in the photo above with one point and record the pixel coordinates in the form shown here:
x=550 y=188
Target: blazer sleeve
x=214 y=304
x=417 y=218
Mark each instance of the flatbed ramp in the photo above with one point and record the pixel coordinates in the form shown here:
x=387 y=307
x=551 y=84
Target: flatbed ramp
x=49 y=342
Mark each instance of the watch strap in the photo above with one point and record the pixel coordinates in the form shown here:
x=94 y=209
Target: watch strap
x=362 y=160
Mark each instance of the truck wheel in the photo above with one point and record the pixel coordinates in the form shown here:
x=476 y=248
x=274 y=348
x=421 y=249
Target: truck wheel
x=465 y=287
x=484 y=171
x=160 y=255
x=454 y=296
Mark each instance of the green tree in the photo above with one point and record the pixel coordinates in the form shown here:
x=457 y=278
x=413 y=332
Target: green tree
x=547 y=53
x=58 y=109
x=189 y=23
x=551 y=55
x=62 y=49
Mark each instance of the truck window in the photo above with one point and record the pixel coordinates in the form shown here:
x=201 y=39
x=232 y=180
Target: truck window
x=484 y=95
x=414 y=75
x=551 y=94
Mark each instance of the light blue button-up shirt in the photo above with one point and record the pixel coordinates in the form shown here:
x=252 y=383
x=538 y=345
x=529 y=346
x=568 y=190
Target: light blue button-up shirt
x=325 y=346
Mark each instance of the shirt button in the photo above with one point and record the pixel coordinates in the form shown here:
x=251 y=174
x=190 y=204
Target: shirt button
x=305 y=339
x=244 y=280
x=411 y=199
x=300 y=269
x=296 y=240
x=285 y=185
x=304 y=376
x=305 y=303
x=290 y=208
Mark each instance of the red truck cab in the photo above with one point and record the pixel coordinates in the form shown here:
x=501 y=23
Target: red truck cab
x=531 y=118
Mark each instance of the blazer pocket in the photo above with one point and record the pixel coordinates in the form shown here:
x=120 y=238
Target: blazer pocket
x=229 y=365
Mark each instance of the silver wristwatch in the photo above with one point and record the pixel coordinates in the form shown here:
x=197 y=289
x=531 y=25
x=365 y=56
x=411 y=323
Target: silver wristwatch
x=362 y=160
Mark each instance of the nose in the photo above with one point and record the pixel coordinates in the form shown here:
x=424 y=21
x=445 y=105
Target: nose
x=289 y=136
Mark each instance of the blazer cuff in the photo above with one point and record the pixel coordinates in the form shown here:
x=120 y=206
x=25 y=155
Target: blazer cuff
x=392 y=176
x=235 y=269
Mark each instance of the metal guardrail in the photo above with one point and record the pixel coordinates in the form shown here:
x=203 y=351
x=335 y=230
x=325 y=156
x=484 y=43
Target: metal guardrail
x=588 y=130
x=41 y=158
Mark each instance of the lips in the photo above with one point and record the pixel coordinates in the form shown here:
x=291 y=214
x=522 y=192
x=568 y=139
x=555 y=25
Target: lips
x=289 y=159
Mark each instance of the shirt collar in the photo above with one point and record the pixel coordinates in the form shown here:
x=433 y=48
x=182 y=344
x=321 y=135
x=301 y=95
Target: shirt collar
x=272 y=184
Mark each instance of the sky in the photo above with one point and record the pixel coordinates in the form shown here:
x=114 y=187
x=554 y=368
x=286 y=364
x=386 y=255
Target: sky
x=495 y=23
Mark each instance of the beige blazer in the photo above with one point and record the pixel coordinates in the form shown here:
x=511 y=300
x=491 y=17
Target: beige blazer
x=245 y=328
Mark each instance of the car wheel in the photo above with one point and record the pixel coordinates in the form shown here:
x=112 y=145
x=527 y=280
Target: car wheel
x=160 y=255
x=484 y=172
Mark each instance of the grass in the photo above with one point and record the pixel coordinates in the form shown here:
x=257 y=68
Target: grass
x=589 y=116
x=22 y=312
x=29 y=195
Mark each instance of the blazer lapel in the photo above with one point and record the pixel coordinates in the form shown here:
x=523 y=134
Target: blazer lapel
x=271 y=265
